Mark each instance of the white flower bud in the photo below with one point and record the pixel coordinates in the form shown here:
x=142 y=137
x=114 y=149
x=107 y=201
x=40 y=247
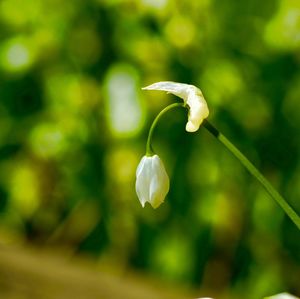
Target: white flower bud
x=152 y=182
x=191 y=95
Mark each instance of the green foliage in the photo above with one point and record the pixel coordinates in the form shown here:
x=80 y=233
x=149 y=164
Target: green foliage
x=74 y=122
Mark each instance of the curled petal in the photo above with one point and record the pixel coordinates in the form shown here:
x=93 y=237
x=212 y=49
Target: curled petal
x=198 y=110
x=191 y=95
x=178 y=89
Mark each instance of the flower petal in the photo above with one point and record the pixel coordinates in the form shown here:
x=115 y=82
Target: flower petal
x=159 y=186
x=198 y=111
x=143 y=176
x=178 y=89
x=152 y=181
x=191 y=95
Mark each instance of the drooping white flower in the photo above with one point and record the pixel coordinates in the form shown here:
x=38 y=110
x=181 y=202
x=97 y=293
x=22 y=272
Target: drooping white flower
x=191 y=95
x=152 y=182
x=282 y=296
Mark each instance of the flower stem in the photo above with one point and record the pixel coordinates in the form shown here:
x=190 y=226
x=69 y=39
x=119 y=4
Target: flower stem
x=149 y=150
x=255 y=172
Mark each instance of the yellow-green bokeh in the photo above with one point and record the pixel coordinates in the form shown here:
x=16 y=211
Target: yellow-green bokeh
x=74 y=122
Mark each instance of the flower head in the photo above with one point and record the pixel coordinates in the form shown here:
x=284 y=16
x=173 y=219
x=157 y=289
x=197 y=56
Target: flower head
x=152 y=181
x=191 y=95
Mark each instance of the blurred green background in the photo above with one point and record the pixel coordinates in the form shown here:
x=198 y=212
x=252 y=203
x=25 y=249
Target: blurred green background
x=74 y=123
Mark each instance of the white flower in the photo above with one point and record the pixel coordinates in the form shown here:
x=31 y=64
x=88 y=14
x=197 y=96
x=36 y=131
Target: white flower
x=152 y=182
x=191 y=95
x=282 y=296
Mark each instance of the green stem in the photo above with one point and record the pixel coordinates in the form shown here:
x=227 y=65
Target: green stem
x=255 y=172
x=149 y=150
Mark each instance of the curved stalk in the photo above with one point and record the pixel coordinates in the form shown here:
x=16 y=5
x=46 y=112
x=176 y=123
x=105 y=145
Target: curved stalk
x=149 y=150
x=255 y=172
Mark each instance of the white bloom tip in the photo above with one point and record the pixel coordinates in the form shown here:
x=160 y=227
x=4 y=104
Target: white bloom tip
x=191 y=95
x=190 y=127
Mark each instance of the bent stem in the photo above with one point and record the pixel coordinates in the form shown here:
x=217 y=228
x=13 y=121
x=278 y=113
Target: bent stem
x=255 y=172
x=149 y=150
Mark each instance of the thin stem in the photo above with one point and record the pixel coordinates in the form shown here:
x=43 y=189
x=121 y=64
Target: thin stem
x=255 y=172
x=149 y=150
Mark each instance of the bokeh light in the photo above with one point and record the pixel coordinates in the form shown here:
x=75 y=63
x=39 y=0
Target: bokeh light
x=74 y=123
x=16 y=55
